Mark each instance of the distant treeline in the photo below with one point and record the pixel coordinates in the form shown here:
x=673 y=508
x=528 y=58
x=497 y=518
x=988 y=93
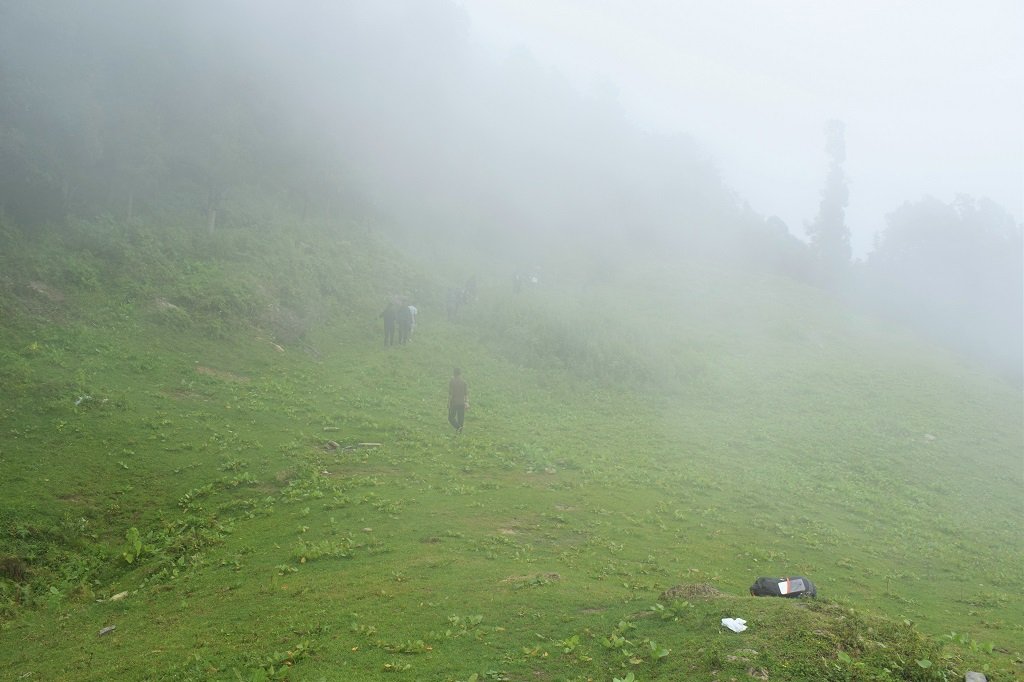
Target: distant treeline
x=330 y=110
x=247 y=114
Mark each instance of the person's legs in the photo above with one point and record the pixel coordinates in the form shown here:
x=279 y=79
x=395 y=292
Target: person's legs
x=456 y=416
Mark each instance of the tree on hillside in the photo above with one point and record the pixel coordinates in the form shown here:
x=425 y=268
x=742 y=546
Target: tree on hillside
x=957 y=271
x=830 y=237
x=48 y=114
x=334 y=111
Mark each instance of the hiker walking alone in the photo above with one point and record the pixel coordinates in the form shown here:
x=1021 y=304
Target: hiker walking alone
x=458 y=400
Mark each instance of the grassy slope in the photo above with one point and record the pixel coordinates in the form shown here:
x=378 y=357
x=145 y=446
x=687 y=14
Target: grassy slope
x=749 y=428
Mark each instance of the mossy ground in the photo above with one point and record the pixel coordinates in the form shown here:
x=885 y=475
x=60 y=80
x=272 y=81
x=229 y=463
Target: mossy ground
x=755 y=430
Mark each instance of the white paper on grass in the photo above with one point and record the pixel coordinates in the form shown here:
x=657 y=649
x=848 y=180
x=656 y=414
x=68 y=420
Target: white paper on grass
x=795 y=585
x=735 y=624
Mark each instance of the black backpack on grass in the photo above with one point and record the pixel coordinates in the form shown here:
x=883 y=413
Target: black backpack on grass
x=783 y=587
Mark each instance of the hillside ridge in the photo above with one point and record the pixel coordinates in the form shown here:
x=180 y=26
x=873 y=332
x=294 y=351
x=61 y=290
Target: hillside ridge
x=182 y=455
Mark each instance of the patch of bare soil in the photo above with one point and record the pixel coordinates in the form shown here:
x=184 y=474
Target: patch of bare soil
x=221 y=374
x=164 y=304
x=363 y=469
x=46 y=291
x=691 y=591
x=181 y=394
x=532 y=578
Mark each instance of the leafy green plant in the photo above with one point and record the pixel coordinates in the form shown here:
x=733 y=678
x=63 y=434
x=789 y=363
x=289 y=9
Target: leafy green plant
x=964 y=639
x=407 y=647
x=134 y=547
x=462 y=625
x=342 y=548
x=655 y=652
x=278 y=665
x=673 y=612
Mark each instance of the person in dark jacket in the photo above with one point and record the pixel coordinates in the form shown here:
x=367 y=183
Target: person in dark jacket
x=458 y=400
x=390 y=315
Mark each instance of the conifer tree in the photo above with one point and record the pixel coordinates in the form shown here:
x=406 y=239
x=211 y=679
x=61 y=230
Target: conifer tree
x=830 y=237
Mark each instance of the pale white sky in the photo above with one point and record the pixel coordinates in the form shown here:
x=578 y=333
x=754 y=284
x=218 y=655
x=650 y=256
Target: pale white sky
x=932 y=92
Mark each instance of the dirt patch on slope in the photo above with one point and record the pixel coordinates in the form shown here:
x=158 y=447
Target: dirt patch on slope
x=222 y=374
x=691 y=591
x=46 y=291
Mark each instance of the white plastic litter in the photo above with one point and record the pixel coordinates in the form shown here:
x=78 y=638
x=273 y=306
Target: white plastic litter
x=735 y=624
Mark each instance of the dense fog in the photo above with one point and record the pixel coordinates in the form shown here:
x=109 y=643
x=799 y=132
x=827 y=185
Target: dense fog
x=929 y=98
x=402 y=117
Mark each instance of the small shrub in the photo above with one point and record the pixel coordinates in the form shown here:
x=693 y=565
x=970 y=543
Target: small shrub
x=14 y=569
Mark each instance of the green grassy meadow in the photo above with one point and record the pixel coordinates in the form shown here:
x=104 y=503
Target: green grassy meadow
x=211 y=425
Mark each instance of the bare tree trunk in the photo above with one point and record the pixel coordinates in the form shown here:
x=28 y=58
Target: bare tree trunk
x=67 y=192
x=213 y=199
x=131 y=205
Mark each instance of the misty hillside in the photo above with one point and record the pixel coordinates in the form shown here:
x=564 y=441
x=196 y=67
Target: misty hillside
x=245 y=115
x=198 y=381
x=214 y=467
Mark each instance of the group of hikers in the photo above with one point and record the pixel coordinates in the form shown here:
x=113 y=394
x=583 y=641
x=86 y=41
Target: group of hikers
x=400 y=315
